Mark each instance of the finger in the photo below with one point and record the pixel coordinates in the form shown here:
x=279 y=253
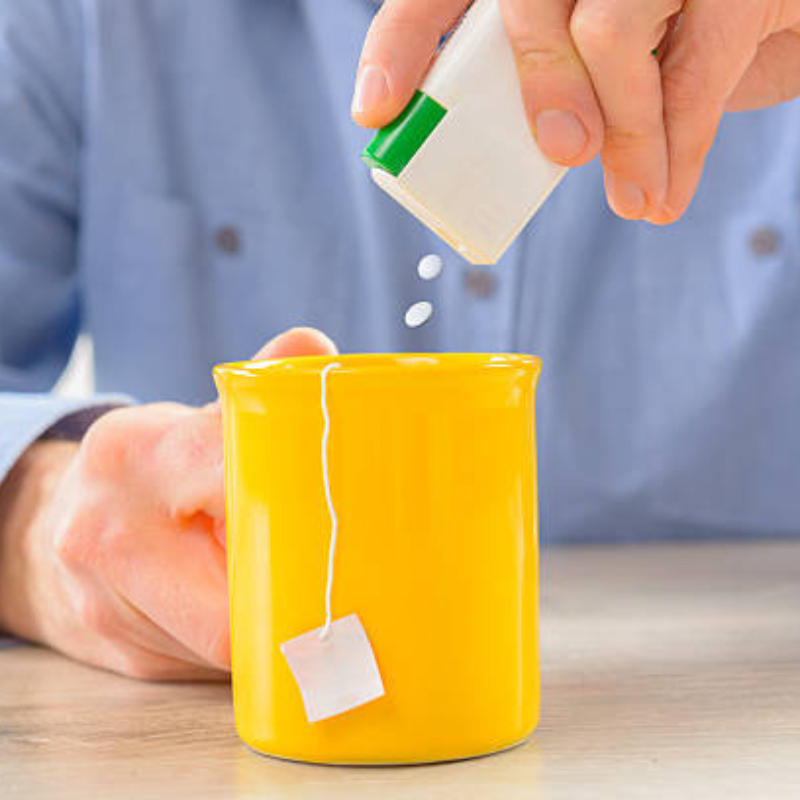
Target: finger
x=710 y=52
x=187 y=467
x=298 y=342
x=186 y=473
x=174 y=460
x=135 y=661
x=167 y=455
x=136 y=627
x=663 y=46
x=616 y=42
x=398 y=49
x=559 y=98
x=177 y=578
x=104 y=629
x=774 y=76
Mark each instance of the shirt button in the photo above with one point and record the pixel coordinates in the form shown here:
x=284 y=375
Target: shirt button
x=765 y=241
x=228 y=240
x=480 y=282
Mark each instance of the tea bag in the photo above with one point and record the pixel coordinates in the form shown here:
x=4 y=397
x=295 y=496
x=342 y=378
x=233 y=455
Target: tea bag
x=335 y=672
x=334 y=665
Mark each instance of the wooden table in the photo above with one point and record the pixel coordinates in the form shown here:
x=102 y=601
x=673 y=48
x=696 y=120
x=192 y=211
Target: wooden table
x=669 y=671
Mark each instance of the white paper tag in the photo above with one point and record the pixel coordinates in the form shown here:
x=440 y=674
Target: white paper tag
x=337 y=672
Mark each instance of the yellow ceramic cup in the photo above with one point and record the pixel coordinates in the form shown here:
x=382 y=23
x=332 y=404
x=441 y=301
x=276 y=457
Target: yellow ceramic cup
x=433 y=475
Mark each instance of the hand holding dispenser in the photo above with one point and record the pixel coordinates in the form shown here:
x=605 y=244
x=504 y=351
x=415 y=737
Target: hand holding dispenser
x=462 y=157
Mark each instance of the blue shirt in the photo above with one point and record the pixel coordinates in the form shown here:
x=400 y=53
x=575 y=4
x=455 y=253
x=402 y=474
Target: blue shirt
x=181 y=180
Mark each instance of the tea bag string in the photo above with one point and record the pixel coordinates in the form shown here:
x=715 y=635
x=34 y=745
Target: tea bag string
x=328 y=497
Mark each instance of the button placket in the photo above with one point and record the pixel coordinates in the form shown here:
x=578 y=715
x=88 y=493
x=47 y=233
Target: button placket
x=765 y=241
x=480 y=283
x=228 y=240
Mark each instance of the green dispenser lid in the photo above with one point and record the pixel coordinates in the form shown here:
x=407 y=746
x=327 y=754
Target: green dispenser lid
x=396 y=144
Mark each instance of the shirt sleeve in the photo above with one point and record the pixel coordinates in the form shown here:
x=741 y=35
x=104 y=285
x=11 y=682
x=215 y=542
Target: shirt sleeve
x=26 y=418
x=41 y=105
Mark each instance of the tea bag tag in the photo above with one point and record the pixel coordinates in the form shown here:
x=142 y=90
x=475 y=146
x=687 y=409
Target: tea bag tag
x=334 y=665
x=335 y=670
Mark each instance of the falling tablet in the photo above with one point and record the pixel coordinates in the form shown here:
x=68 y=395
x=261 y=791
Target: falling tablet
x=430 y=267
x=419 y=314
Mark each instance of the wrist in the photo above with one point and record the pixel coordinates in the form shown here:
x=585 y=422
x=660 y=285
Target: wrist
x=24 y=495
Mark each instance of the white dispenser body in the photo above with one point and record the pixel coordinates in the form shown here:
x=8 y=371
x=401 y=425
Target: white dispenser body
x=479 y=176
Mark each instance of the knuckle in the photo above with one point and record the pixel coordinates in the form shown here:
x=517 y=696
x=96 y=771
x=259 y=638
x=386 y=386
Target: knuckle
x=109 y=443
x=70 y=549
x=94 y=533
x=95 y=616
x=721 y=33
x=75 y=542
x=685 y=89
x=104 y=447
x=535 y=57
x=142 y=665
x=412 y=24
x=136 y=665
x=624 y=140
x=195 y=440
x=218 y=649
x=599 y=29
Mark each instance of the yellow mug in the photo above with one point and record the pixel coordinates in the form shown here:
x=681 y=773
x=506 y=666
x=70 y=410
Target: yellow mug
x=432 y=470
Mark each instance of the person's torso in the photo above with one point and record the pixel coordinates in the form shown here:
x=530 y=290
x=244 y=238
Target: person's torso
x=224 y=200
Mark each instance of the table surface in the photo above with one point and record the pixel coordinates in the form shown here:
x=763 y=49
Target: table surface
x=669 y=671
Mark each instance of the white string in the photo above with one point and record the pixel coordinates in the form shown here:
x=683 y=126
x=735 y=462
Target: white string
x=328 y=497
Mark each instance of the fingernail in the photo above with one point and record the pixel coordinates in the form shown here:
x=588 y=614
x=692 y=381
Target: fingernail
x=371 y=88
x=626 y=198
x=560 y=134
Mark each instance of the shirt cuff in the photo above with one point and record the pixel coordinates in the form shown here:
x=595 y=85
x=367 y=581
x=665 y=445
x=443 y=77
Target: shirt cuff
x=24 y=418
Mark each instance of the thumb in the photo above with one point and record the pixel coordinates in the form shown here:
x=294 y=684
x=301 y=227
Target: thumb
x=398 y=50
x=294 y=342
x=298 y=342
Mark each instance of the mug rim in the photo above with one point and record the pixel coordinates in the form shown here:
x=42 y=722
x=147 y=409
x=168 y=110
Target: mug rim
x=363 y=363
